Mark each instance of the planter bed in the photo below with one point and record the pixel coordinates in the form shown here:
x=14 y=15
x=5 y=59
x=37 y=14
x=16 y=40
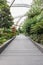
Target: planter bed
x=4 y=45
x=39 y=46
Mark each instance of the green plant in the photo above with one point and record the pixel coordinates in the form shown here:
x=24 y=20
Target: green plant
x=33 y=25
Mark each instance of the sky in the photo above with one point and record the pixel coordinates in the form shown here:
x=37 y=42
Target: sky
x=18 y=11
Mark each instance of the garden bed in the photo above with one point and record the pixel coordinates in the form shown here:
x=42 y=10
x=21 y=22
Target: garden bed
x=5 y=44
x=6 y=35
x=39 y=46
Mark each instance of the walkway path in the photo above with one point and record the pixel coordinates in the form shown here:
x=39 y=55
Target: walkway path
x=21 y=51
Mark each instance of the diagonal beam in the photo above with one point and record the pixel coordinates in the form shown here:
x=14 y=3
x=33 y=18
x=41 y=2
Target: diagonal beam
x=12 y=3
x=18 y=21
x=20 y=16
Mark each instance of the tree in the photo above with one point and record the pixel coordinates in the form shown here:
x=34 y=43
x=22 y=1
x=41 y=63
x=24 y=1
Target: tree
x=5 y=15
x=33 y=25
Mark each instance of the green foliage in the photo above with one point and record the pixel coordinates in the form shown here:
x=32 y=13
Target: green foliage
x=2 y=40
x=5 y=35
x=33 y=25
x=5 y=15
x=5 y=22
x=37 y=28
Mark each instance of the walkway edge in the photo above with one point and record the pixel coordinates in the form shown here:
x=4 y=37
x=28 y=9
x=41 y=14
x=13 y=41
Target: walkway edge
x=4 y=45
x=39 y=46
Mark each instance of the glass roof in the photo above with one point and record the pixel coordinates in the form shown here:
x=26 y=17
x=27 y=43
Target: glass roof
x=19 y=11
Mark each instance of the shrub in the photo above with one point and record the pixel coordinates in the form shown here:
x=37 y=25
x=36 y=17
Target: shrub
x=2 y=40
